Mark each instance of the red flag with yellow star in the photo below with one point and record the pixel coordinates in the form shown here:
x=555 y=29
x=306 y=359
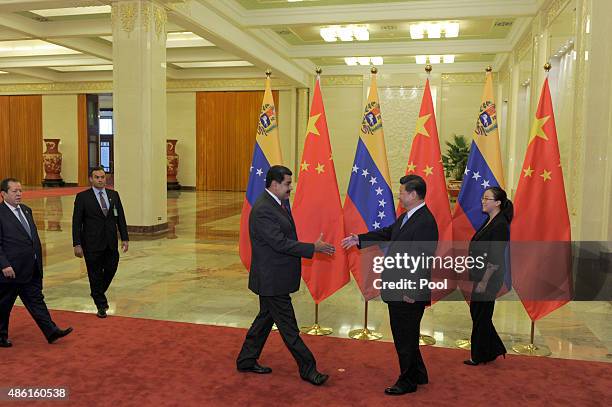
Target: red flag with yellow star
x=426 y=161
x=317 y=207
x=540 y=231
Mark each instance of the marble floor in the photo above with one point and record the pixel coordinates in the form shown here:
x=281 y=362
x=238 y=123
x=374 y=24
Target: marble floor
x=194 y=274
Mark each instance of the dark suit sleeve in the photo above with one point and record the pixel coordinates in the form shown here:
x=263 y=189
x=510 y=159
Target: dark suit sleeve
x=380 y=235
x=268 y=229
x=4 y=263
x=77 y=220
x=121 y=222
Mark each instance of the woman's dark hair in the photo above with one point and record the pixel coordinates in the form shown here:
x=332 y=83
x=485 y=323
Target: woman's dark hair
x=506 y=207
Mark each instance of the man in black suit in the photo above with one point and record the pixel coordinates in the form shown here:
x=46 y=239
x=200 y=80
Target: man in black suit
x=98 y=215
x=414 y=233
x=276 y=266
x=22 y=265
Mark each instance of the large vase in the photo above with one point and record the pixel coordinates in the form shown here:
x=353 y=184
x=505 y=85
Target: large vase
x=172 y=164
x=52 y=161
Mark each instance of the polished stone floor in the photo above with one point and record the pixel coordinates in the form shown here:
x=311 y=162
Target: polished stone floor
x=194 y=275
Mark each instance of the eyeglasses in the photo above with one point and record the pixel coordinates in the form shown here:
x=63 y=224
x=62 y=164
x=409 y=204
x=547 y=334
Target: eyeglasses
x=488 y=199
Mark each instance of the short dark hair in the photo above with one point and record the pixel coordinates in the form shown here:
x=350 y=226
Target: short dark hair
x=277 y=173
x=96 y=168
x=414 y=183
x=4 y=186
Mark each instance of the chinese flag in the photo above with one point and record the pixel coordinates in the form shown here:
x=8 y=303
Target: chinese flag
x=426 y=161
x=317 y=208
x=540 y=231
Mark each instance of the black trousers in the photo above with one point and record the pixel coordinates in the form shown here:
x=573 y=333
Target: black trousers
x=405 y=319
x=33 y=299
x=486 y=343
x=279 y=310
x=101 y=268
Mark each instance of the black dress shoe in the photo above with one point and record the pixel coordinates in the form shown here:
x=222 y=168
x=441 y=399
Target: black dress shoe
x=470 y=362
x=5 y=343
x=101 y=313
x=316 y=378
x=396 y=390
x=422 y=380
x=60 y=333
x=256 y=368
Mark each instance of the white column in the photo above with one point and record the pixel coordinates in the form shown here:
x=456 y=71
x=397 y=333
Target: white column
x=139 y=108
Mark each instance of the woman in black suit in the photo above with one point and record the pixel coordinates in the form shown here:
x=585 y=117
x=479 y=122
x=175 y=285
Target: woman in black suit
x=490 y=241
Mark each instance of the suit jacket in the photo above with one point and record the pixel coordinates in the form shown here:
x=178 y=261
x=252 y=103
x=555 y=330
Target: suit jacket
x=17 y=249
x=90 y=228
x=276 y=259
x=491 y=241
x=417 y=238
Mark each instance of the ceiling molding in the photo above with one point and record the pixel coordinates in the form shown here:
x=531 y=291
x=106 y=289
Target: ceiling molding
x=404 y=68
x=356 y=13
x=520 y=26
x=49 y=60
x=200 y=54
x=208 y=24
x=8 y=6
x=38 y=73
x=401 y=48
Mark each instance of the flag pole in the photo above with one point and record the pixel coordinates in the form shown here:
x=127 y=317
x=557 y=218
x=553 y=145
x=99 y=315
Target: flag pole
x=465 y=343
x=364 y=334
x=425 y=340
x=530 y=349
x=316 y=329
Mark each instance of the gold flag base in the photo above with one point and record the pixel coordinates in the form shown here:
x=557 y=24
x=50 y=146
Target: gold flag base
x=316 y=330
x=463 y=344
x=364 y=334
x=426 y=340
x=532 y=350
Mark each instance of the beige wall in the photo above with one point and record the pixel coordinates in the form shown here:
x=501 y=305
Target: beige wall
x=59 y=120
x=181 y=124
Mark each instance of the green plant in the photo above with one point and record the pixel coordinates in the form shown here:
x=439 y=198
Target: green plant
x=455 y=159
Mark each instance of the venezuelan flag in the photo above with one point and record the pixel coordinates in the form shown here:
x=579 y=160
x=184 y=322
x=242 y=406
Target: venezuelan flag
x=369 y=202
x=484 y=169
x=267 y=152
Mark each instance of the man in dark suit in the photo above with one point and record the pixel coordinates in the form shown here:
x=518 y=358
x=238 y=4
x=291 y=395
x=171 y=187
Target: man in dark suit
x=98 y=215
x=21 y=264
x=275 y=273
x=415 y=234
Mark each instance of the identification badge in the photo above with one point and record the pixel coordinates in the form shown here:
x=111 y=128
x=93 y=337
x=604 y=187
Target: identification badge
x=115 y=212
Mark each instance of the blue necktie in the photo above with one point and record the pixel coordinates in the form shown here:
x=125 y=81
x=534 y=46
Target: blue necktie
x=404 y=221
x=23 y=221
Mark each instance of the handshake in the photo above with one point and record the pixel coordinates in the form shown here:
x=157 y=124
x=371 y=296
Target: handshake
x=321 y=246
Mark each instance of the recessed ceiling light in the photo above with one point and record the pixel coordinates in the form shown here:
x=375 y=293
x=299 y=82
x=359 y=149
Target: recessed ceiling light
x=361 y=34
x=377 y=60
x=417 y=31
x=451 y=30
x=363 y=60
x=212 y=64
x=434 y=59
x=350 y=61
x=328 y=34
x=421 y=59
x=345 y=33
x=433 y=30
x=448 y=59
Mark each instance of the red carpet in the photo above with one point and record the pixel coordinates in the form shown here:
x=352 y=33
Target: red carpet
x=137 y=362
